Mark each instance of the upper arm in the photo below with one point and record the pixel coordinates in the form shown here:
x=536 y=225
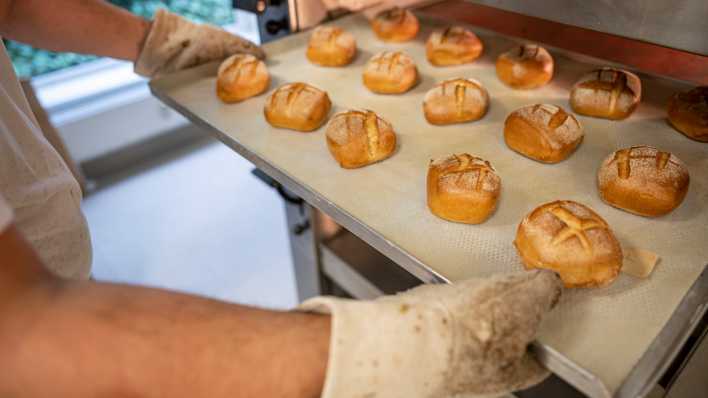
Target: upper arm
x=6 y=8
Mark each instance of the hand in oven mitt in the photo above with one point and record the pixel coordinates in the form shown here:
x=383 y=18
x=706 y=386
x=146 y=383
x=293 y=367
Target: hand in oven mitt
x=173 y=43
x=467 y=339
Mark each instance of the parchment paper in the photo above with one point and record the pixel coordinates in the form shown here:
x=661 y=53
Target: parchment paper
x=603 y=330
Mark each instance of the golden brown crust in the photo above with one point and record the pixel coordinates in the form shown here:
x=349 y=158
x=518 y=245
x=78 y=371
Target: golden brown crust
x=525 y=67
x=395 y=25
x=358 y=138
x=455 y=101
x=241 y=76
x=688 y=113
x=606 y=93
x=643 y=180
x=571 y=239
x=462 y=188
x=297 y=106
x=390 y=72
x=454 y=45
x=543 y=132
x=331 y=46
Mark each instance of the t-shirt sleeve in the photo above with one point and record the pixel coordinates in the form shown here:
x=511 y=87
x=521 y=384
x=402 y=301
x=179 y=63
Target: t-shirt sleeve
x=5 y=214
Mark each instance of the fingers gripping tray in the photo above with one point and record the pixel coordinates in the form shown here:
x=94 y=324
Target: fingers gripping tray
x=611 y=341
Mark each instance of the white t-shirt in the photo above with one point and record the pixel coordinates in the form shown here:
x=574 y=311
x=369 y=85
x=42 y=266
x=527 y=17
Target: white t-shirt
x=37 y=187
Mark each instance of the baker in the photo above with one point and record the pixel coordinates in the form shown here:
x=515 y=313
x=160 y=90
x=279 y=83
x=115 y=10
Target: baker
x=64 y=336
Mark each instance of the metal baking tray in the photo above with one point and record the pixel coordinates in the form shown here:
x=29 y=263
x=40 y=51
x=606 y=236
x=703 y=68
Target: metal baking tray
x=612 y=341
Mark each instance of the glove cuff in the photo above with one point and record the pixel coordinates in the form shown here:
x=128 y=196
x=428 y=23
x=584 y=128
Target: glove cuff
x=155 y=53
x=384 y=348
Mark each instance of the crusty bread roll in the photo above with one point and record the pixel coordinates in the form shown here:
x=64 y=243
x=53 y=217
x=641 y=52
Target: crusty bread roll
x=455 y=101
x=688 y=113
x=607 y=93
x=395 y=24
x=297 y=106
x=525 y=67
x=390 y=72
x=543 y=132
x=572 y=240
x=643 y=180
x=452 y=46
x=462 y=188
x=358 y=138
x=241 y=76
x=331 y=46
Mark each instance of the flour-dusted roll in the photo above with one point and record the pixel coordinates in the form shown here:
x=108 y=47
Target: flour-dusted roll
x=396 y=25
x=543 y=132
x=606 y=93
x=688 y=113
x=297 y=106
x=462 y=188
x=454 y=45
x=241 y=76
x=572 y=240
x=356 y=138
x=525 y=67
x=331 y=46
x=390 y=72
x=643 y=180
x=455 y=101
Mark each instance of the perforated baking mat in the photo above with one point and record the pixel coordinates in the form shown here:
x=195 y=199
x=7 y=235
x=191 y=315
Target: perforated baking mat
x=603 y=331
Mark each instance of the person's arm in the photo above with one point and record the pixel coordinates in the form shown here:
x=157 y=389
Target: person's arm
x=83 y=26
x=85 y=339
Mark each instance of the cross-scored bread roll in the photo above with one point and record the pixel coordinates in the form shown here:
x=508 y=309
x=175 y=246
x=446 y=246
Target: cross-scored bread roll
x=331 y=46
x=543 y=132
x=688 y=113
x=395 y=24
x=572 y=240
x=452 y=46
x=462 y=188
x=358 y=138
x=525 y=67
x=455 y=101
x=643 y=180
x=241 y=76
x=297 y=106
x=607 y=93
x=390 y=72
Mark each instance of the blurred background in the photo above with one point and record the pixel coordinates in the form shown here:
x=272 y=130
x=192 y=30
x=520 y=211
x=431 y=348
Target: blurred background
x=167 y=206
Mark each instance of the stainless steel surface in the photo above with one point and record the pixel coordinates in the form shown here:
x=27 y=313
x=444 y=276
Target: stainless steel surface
x=191 y=93
x=346 y=277
x=679 y=24
x=692 y=381
x=303 y=250
x=666 y=345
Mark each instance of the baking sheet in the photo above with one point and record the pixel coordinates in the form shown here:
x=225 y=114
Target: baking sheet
x=605 y=331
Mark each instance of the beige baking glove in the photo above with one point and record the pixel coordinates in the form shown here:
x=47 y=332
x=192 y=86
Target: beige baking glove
x=468 y=339
x=174 y=43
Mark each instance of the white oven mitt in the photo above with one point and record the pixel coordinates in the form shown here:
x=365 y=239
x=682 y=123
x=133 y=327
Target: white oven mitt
x=468 y=339
x=173 y=43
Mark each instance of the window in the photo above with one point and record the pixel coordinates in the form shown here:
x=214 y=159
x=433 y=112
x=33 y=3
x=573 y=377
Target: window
x=29 y=61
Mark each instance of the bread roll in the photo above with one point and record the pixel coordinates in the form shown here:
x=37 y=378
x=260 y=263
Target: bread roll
x=241 y=76
x=688 y=113
x=607 y=93
x=331 y=46
x=358 y=138
x=643 y=180
x=452 y=46
x=390 y=72
x=525 y=67
x=462 y=188
x=572 y=240
x=542 y=132
x=297 y=106
x=455 y=101
x=396 y=25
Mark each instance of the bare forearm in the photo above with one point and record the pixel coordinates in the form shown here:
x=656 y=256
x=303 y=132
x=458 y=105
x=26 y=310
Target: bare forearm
x=90 y=339
x=83 y=26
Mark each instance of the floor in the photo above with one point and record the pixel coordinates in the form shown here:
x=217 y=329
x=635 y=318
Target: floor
x=197 y=222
